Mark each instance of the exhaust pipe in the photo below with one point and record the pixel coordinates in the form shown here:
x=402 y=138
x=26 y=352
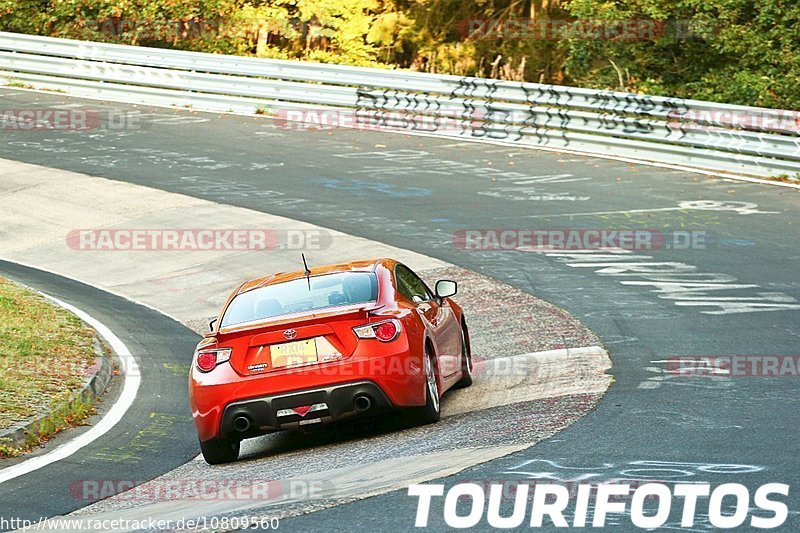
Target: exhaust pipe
x=362 y=403
x=241 y=423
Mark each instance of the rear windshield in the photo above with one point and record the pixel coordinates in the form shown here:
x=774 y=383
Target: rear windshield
x=329 y=290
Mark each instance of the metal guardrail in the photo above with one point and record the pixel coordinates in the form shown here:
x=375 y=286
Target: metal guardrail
x=706 y=135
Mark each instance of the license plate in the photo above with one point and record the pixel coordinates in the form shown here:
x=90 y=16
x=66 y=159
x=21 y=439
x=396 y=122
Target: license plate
x=294 y=353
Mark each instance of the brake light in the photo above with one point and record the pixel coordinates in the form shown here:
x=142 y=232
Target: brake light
x=386 y=331
x=383 y=331
x=207 y=360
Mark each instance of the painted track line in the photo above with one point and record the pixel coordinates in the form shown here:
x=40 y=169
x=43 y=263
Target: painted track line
x=132 y=381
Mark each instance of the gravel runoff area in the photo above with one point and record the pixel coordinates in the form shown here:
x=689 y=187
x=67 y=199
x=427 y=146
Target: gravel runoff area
x=503 y=322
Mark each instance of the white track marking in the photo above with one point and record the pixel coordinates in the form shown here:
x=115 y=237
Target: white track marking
x=130 y=388
x=742 y=208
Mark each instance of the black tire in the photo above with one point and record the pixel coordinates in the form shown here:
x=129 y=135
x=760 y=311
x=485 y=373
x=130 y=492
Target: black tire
x=466 y=359
x=431 y=412
x=218 y=451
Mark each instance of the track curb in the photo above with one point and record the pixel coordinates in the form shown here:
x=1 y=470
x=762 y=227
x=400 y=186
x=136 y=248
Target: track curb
x=94 y=385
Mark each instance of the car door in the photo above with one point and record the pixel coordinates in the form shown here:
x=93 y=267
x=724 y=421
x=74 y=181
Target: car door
x=439 y=319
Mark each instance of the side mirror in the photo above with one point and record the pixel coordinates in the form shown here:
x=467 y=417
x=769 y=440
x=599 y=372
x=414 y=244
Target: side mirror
x=211 y=324
x=445 y=288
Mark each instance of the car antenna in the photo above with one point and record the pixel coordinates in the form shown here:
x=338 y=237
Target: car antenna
x=307 y=270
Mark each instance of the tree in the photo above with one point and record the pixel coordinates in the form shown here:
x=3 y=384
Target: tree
x=736 y=51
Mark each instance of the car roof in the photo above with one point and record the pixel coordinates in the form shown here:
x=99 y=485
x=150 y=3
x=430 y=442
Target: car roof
x=367 y=265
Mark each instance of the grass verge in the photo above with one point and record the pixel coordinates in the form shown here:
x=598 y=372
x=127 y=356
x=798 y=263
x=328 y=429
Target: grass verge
x=45 y=354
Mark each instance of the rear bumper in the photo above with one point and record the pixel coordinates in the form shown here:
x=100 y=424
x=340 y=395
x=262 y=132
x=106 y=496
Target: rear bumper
x=397 y=378
x=275 y=412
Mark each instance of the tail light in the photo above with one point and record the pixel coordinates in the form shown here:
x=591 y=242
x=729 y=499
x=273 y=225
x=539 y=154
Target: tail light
x=383 y=331
x=207 y=360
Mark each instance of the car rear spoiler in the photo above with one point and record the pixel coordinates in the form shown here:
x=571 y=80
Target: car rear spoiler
x=364 y=309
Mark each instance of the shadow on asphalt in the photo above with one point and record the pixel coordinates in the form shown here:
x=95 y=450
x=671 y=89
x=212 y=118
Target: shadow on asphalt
x=337 y=433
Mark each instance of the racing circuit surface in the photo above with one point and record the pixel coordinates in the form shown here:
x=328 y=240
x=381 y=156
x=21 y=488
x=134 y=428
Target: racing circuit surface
x=417 y=192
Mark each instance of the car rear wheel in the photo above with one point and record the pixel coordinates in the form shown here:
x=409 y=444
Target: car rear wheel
x=431 y=412
x=220 y=450
x=466 y=359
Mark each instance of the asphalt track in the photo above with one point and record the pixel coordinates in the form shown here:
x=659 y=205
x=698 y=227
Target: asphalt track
x=415 y=192
x=153 y=437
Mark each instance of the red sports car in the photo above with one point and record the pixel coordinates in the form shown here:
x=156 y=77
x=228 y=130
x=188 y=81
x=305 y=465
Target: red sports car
x=315 y=346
